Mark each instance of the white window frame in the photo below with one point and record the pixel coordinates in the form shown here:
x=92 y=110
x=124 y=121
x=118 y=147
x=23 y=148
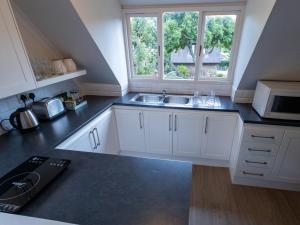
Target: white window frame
x=157 y=11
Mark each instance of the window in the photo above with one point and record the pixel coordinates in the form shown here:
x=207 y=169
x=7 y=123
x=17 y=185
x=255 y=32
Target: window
x=197 y=44
x=144 y=46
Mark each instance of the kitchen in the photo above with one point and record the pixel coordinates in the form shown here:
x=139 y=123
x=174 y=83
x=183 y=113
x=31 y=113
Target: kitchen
x=129 y=112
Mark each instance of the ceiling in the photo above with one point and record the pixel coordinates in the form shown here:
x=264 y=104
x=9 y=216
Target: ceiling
x=166 y=2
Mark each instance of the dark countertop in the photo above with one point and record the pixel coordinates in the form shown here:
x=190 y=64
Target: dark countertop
x=247 y=113
x=106 y=189
x=99 y=188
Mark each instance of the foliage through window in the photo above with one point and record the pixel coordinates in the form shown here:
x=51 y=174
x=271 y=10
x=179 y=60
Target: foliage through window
x=196 y=45
x=144 y=45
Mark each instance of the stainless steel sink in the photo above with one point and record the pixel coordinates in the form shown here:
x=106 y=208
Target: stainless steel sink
x=148 y=98
x=178 y=100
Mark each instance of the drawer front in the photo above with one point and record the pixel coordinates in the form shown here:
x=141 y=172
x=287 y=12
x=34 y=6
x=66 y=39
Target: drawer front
x=256 y=173
x=256 y=161
x=259 y=149
x=263 y=135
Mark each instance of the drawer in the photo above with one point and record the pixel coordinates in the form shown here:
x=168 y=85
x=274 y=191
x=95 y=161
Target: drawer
x=263 y=135
x=256 y=173
x=256 y=161
x=259 y=149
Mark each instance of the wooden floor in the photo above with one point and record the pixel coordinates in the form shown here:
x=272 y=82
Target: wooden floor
x=215 y=201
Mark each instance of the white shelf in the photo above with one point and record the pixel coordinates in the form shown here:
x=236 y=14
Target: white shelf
x=60 y=78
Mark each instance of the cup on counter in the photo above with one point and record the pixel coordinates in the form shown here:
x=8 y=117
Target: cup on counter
x=70 y=65
x=59 y=67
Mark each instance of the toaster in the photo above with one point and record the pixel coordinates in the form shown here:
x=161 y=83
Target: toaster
x=48 y=108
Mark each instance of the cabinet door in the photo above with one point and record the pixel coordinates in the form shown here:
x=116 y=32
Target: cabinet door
x=106 y=133
x=130 y=126
x=287 y=165
x=158 y=132
x=16 y=75
x=187 y=134
x=218 y=136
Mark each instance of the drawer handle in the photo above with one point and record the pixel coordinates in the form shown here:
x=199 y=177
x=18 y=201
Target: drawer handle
x=254 y=162
x=259 y=150
x=256 y=136
x=253 y=174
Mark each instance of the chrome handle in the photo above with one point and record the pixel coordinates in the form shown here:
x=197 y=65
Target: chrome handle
x=95 y=129
x=256 y=136
x=258 y=150
x=200 y=50
x=170 y=122
x=95 y=144
x=175 y=123
x=140 y=117
x=253 y=174
x=254 y=162
x=206 y=122
x=158 y=49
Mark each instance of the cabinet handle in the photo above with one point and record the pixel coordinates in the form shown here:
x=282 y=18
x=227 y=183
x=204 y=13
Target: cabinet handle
x=270 y=137
x=140 y=117
x=175 y=123
x=200 y=50
x=206 y=122
x=258 y=150
x=170 y=122
x=253 y=174
x=95 y=144
x=254 y=162
x=158 y=50
x=96 y=129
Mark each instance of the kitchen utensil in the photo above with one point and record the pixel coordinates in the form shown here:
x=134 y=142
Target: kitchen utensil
x=48 y=108
x=24 y=119
x=70 y=65
x=59 y=67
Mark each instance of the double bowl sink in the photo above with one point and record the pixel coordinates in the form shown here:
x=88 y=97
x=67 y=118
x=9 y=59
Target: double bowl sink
x=172 y=100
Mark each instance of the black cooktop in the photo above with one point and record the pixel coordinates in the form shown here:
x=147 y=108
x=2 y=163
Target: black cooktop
x=23 y=183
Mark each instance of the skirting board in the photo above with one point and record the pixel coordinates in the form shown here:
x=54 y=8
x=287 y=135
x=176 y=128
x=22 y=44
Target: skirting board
x=102 y=89
x=242 y=96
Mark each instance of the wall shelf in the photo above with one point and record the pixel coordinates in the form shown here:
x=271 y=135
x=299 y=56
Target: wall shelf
x=60 y=78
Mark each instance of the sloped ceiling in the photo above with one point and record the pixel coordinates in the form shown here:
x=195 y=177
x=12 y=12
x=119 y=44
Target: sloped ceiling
x=166 y=2
x=60 y=23
x=277 y=53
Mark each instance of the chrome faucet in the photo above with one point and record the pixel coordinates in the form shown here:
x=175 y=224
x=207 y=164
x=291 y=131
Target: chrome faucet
x=164 y=93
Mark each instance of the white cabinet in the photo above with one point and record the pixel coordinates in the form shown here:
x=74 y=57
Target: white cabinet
x=218 y=136
x=130 y=124
x=16 y=75
x=188 y=129
x=98 y=136
x=287 y=165
x=158 y=131
x=107 y=133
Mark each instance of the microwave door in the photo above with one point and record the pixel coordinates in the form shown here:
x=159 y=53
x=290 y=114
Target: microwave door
x=286 y=104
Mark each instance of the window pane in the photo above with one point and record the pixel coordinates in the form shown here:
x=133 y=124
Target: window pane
x=180 y=37
x=144 y=46
x=218 y=38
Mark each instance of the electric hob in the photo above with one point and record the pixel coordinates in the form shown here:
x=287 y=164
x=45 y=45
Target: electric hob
x=24 y=182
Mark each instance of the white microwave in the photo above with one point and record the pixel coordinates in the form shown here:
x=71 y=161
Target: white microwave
x=277 y=100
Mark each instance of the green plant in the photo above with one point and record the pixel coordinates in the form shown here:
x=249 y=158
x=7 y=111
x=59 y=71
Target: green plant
x=183 y=70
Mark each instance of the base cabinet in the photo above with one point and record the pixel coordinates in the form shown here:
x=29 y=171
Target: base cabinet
x=287 y=164
x=130 y=124
x=188 y=129
x=99 y=136
x=218 y=136
x=158 y=131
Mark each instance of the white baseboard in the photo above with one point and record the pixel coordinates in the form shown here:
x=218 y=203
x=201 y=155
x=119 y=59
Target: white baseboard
x=102 y=89
x=242 y=96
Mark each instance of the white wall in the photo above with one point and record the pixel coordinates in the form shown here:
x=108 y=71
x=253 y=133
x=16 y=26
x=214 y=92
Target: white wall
x=103 y=19
x=257 y=13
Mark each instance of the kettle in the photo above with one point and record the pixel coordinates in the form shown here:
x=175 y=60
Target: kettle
x=24 y=119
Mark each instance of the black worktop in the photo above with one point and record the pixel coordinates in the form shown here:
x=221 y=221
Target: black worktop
x=107 y=189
